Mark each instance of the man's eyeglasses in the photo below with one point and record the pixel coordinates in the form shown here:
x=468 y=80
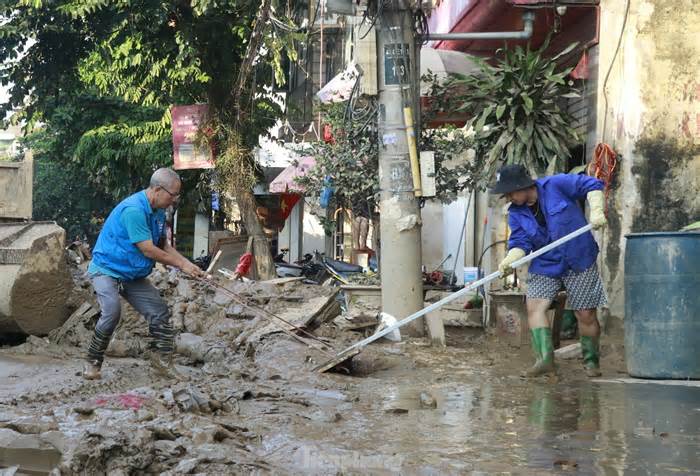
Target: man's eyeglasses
x=174 y=195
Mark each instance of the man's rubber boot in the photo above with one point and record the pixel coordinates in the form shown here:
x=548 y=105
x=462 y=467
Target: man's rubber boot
x=590 y=349
x=163 y=366
x=92 y=370
x=161 y=357
x=96 y=355
x=541 y=338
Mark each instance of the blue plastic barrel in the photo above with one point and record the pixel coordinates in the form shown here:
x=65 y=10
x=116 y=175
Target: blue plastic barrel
x=662 y=305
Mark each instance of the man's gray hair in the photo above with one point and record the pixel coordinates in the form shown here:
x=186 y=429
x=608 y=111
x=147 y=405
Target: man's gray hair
x=164 y=177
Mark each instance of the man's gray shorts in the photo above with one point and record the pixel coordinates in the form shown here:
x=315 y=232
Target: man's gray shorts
x=584 y=290
x=141 y=294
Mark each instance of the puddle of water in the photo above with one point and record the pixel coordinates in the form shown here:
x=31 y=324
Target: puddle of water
x=488 y=424
x=30 y=460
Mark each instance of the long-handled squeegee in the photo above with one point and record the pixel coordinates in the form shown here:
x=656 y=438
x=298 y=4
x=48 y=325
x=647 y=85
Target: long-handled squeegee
x=355 y=349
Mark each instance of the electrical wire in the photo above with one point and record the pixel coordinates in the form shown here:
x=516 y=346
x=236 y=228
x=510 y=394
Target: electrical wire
x=318 y=7
x=364 y=115
x=279 y=24
x=612 y=62
x=461 y=236
x=422 y=28
x=483 y=253
x=374 y=17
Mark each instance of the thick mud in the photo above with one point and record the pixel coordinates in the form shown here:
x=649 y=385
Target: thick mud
x=250 y=403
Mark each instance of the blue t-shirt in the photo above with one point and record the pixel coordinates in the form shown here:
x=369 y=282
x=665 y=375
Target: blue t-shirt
x=134 y=220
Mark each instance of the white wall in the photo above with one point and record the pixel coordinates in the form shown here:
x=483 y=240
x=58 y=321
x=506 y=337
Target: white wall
x=201 y=235
x=302 y=233
x=652 y=118
x=314 y=237
x=431 y=234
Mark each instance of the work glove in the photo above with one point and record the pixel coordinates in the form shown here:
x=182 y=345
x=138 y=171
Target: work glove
x=596 y=200
x=514 y=254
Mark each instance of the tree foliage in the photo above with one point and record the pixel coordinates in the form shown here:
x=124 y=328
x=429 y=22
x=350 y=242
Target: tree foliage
x=70 y=200
x=458 y=167
x=349 y=163
x=516 y=109
x=95 y=79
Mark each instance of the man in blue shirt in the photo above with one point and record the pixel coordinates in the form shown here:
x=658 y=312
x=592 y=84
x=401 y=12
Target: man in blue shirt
x=541 y=212
x=132 y=240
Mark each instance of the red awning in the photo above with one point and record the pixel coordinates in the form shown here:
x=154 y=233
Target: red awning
x=578 y=24
x=284 y=182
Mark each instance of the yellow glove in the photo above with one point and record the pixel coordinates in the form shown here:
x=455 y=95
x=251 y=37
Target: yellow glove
x=596 y=200
x=514 y=254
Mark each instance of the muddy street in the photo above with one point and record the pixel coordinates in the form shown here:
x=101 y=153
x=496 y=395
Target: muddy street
x=249 y=402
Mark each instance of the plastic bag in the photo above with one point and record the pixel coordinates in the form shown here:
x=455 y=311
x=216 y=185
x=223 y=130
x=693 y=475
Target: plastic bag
x=326 y=193
x=340 y=87
x=387 y=320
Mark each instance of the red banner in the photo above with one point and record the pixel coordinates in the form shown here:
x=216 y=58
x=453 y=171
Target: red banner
x=186 y=154
x=287 y=202
x=273 y=210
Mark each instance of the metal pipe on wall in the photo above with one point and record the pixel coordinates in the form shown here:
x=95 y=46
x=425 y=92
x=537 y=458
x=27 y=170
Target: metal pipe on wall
x=524 y=34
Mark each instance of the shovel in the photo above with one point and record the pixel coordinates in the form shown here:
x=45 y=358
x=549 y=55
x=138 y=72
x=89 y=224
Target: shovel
x=353 y=350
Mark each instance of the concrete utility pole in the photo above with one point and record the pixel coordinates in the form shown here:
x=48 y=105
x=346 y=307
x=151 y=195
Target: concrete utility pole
x=399 y=175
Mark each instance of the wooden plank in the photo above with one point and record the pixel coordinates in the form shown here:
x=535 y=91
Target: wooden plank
x=214 y=261
x=250 y=248
x=82 y=309
x=572 y=351
x=249 y=245
x=329 y=311
x=215 y=236
x=354 y=287
x=231 y=249
x=308 y=316
x=339 y=363
x=280 y=281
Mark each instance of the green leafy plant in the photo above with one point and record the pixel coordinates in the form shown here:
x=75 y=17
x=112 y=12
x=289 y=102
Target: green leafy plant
x=457 y=165
x=515 y=109
x=351 y=162
x=101 y=77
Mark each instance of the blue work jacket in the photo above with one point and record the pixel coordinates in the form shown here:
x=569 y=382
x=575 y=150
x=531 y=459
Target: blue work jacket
x=557 y=196
x=114 y=250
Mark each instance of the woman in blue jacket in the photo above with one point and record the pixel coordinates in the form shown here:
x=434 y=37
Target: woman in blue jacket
x=541 y=212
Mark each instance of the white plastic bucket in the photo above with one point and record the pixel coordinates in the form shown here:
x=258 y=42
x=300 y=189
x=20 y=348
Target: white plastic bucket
x=471 y=274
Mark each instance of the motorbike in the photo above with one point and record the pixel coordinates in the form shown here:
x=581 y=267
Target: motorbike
x=338 y=271
x=307 y=267
x=285 y=269
x=316 y=268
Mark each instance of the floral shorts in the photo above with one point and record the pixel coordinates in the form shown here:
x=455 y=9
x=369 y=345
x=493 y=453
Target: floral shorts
x=584 y=290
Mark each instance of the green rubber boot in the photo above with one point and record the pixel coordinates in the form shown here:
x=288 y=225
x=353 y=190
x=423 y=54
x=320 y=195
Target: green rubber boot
x=544 y=352
x=590 y=349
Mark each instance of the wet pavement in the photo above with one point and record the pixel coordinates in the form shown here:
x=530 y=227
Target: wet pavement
x=481 y=423
x=255 y=406
x=420 y=410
